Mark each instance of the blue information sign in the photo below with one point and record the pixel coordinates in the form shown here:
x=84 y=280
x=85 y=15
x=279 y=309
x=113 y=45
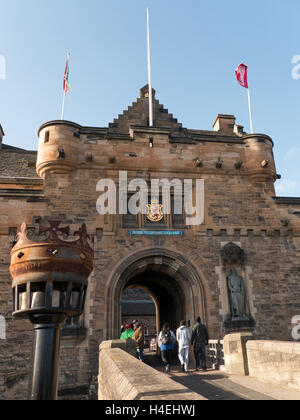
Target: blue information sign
x=156 y=233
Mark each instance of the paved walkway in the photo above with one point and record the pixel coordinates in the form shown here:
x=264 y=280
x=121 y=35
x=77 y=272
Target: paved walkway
x=218 y=386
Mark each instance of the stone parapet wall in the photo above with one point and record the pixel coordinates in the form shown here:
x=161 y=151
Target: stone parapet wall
x=123 y=377
x=275 y=362
x=235 y=354
x=127 y=346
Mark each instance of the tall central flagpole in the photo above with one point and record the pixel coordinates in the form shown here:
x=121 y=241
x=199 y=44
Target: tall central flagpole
x=149 y=72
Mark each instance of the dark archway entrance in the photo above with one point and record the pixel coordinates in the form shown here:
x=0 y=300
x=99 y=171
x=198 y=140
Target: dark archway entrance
x=165 y=292
x=171 y=280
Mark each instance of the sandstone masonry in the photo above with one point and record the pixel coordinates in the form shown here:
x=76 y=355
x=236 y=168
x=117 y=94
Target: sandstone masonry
x=184 y=274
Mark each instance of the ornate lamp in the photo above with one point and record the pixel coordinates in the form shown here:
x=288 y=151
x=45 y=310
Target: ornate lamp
x=50 y=280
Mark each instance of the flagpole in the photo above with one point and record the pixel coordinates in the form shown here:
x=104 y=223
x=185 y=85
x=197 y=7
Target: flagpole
x=149 y=71
x=250 y=111
x=63 y=106
x=65 y=92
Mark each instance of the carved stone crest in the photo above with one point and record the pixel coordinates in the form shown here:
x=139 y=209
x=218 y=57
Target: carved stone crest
x=155 y=213
x=232 y=254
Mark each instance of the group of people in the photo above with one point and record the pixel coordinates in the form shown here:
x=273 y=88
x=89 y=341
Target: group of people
x=167 y=340
x=198 y=339
x=135 y=331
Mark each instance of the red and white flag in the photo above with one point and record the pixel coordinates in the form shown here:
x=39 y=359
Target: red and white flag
x=242 y=75
x=66 y=85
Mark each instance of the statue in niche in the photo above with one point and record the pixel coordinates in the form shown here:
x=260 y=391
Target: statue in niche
x=236 y=295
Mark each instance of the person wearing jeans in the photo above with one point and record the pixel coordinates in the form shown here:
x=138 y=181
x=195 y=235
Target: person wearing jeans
x=166 y=342
x=140 y=355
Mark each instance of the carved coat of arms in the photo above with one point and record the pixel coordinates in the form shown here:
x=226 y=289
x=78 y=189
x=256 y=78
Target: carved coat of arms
x=155 y=213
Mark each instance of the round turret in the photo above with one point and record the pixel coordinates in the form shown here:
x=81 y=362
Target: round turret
x=59 y=147
x=260 y=164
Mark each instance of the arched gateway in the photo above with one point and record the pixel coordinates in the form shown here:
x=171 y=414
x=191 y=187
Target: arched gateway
x=172 y=281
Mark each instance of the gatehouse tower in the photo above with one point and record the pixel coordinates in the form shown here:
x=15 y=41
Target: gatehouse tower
x=248 y=236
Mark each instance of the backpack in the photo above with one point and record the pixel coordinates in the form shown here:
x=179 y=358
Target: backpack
x=167 y=339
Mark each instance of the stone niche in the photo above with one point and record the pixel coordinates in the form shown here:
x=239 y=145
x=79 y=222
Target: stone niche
x=239 y=317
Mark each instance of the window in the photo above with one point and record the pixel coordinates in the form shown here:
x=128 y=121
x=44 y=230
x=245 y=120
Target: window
x=178 y=220
x=47 y=137
x=129 y=220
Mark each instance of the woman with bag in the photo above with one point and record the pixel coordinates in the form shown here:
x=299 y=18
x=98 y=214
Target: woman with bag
x=166 y=342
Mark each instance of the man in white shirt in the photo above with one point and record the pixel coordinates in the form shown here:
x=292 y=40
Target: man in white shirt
x=183 y=336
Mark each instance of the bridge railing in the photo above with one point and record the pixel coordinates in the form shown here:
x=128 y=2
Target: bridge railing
x=215 y=354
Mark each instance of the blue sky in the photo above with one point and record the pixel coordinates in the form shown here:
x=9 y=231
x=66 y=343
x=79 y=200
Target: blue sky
x=196 y=46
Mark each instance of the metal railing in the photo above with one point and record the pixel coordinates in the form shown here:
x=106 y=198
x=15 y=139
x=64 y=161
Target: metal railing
x=215 y=354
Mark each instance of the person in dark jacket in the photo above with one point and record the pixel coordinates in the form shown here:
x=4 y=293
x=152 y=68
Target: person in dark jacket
x=138 y=337
x=199 y=341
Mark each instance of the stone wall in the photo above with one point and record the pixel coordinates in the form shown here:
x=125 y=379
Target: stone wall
x=275 y=362
x=17 y=163
x=133 y=380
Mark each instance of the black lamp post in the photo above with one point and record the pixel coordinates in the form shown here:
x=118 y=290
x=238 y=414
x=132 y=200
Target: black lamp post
x=50 y=280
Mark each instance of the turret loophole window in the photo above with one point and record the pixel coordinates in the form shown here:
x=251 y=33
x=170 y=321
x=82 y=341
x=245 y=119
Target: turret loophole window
x=47 y=137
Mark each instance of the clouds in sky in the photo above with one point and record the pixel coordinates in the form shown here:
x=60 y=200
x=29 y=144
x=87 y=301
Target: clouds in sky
x=293 y=153
x=290 y=186
x=2 y=68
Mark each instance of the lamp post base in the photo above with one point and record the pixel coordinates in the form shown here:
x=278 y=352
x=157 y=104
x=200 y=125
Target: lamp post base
x=46 y=346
